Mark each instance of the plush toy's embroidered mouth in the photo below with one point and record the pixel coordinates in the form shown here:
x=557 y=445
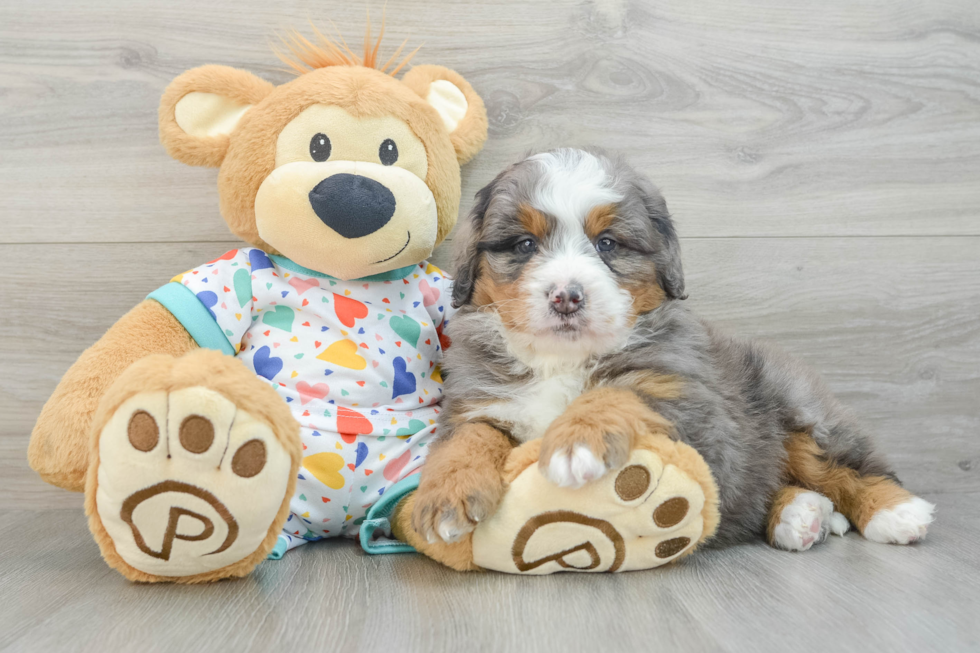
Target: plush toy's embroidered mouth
x=407 y=241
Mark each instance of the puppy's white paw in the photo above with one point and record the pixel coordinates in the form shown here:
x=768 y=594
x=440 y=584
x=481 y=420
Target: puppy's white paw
x=804 y=522
x=839 y=525
x=575 y=468
x=903 y=524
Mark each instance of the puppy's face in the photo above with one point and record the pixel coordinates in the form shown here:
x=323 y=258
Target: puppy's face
x=568 y=248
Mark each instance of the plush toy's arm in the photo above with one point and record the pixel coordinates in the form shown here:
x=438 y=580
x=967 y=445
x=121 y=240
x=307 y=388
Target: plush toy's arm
x=60 y=441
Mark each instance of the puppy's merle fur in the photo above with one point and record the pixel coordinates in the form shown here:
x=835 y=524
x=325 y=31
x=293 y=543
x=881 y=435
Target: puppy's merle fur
x=588 y=225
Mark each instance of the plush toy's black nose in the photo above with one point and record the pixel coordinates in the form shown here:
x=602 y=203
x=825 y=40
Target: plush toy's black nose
x=352 y=205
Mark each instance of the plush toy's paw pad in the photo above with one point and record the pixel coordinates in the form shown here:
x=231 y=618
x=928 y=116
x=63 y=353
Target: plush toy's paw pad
x=643 y=516
x=187 y=482
x=804 y=522
x=902 y=524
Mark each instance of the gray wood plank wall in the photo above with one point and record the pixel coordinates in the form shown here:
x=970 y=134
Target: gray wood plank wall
x=822 y=163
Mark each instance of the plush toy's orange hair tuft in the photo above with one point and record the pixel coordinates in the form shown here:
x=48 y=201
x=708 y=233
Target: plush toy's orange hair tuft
x=307 y=56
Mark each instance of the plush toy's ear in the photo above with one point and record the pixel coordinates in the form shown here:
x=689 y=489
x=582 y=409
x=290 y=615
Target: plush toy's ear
x=201 y=107
x=460 y=108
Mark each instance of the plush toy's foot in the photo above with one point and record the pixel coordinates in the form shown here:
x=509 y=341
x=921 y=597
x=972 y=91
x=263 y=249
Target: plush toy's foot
x=655 y=509
x=193 y=464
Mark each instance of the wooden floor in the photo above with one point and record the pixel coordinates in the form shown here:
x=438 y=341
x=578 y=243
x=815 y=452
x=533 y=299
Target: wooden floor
x=822 y=161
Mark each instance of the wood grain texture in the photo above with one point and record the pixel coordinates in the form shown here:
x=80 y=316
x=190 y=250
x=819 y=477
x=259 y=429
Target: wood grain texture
x=847 y=594
x=756 y=118
x=823 y=166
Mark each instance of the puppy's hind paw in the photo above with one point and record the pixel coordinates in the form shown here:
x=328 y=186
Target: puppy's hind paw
x=839 y=525
x=902 y=524
x=804 y=522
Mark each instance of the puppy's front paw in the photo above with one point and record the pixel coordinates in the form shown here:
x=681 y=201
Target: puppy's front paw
x=574 y=453
x=449 y=506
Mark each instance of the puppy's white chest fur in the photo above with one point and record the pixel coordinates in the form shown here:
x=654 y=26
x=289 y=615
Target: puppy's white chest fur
x=538 y=403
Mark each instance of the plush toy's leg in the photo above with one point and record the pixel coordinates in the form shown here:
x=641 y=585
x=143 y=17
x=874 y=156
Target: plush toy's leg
x=881 y=509
x=799 y=519
x=192 y=465
x=60 y=441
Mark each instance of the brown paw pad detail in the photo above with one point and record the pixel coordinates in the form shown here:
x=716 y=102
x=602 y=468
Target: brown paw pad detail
x=196 y=433
x=671 y=512
x=249 y=459
x=672 y=547
x=632 y=482
x=188 y=482
x=143 y=431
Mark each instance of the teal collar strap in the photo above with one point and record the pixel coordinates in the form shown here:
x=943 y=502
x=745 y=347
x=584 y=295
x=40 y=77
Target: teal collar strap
x=391 y=275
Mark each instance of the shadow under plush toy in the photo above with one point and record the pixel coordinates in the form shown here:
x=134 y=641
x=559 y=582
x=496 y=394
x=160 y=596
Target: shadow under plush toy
x=276 y=394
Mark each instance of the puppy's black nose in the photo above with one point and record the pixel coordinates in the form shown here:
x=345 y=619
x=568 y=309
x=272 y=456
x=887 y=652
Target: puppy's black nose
x=566 y=300
x=352 y=205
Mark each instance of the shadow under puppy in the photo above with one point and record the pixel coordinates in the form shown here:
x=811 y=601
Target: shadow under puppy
x=570 y=329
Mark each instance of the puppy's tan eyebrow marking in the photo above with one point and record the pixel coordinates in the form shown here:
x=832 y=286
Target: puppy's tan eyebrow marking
x=533 y=220
x=599 y=219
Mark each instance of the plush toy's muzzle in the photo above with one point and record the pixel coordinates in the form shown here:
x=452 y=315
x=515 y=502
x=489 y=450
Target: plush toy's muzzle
x=351 y=219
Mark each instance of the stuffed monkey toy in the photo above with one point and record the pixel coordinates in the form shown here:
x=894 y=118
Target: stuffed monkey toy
x=274 y=395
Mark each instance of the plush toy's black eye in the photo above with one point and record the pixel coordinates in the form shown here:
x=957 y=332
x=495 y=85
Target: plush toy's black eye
x=605 y=244
x=388 y=152
x=527 y=246
x=320 y=148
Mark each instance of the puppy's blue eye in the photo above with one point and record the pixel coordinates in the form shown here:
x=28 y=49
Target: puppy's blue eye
x=527 y=246
x=605 y=244
x=320 y=148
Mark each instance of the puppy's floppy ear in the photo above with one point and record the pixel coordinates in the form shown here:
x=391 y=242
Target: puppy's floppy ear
x=667 y=257
x=460 y=108
x=201 y=107
x=466 y=248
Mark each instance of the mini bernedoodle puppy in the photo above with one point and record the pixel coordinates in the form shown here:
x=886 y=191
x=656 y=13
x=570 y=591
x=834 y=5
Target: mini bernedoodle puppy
x=571 y=329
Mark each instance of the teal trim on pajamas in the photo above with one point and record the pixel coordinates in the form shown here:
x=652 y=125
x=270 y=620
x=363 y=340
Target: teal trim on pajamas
x=292 y=266
x=194 y=316
x=279 y=550
x=379 y=516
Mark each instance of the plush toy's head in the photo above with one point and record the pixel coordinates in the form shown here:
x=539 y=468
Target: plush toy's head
x=346 y=170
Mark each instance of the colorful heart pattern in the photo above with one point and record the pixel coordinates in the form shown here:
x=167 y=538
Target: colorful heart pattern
x=344 y=354
x=379 y=343
x=407 y=328
x=348 y=310
x=265 y=364
x=325 y=467
x=280 y=317
x=308 y=393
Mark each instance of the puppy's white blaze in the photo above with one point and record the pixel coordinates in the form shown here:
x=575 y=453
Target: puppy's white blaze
x=574 y=468
x=603 y=324
x=903 y=524
x=572 y=182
